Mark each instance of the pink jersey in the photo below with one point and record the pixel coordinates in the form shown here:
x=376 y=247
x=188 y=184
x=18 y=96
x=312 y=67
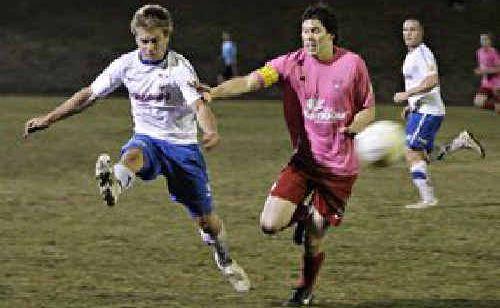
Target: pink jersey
x=489 y=58
x=320 y=98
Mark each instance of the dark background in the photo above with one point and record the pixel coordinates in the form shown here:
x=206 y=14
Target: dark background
x=56 y=47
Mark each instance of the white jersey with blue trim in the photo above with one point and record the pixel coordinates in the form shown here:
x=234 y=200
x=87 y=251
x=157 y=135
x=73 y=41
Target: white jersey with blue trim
x=419 y=64
x=160 y=95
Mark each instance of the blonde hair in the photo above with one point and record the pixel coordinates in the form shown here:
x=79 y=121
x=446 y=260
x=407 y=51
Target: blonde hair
x=152 y=16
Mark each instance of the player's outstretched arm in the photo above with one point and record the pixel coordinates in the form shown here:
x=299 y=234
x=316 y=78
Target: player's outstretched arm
x=208 y=124
x=488 y=70
x=75 y=104
x=236 y=86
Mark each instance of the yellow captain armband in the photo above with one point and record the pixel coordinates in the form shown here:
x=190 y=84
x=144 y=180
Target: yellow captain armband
x=268 y=74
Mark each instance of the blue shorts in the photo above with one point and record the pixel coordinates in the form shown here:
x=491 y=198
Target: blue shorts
x=182 y=165
x=421 y=129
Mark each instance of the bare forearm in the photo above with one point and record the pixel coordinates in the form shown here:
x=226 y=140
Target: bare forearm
x=425 y=86
x=78 y=102
x=362 y=119
x=235 y=86
x=206 y=118
x=491 y=70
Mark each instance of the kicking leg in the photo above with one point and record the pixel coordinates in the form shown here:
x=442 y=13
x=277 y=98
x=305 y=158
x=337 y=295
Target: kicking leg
x=464 y=141
x=113 y=180
x=276 y=215
x=284 y=204
x=213 y=234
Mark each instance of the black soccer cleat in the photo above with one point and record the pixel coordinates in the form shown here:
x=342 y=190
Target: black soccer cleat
x=108 y=187
x=301 y=297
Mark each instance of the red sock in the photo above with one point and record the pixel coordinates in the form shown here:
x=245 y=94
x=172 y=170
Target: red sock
x=310 y=270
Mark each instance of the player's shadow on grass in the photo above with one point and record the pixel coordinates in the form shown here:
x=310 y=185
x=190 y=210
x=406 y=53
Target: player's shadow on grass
x=476 y=204
x=406 y=303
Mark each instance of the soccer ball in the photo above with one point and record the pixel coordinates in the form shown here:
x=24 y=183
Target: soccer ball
x=381 y=143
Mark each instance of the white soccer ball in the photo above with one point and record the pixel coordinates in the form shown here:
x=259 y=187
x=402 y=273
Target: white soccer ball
x=381 y=143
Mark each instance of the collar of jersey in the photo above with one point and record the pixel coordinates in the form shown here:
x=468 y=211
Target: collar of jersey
x=153 y=62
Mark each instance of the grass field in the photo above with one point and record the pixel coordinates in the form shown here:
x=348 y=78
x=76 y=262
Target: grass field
x=61 y=247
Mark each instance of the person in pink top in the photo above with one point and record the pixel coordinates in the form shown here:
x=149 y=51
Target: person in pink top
x=488 y=59
x=327 y=98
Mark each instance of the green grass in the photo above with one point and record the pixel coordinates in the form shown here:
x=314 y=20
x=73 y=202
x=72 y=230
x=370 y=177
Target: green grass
x=61 y=247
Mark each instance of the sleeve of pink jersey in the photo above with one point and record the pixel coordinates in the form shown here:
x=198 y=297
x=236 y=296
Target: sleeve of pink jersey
x=278 y=63
x=363 y=91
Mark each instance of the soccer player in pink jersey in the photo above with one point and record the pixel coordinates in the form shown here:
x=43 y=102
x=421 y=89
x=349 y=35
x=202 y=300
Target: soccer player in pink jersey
x=327 y=98
x=488 y=59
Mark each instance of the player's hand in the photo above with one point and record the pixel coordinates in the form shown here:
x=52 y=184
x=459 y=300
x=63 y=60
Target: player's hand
x=400 y=97
x=347 y=131
x=35 y=124
x=203 y=89
x=210 y=140
x=404 y=113
x=478 y=71
x=344 y=130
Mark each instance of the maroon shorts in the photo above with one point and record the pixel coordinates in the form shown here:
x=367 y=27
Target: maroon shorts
x=493 y=97
x=329 y=192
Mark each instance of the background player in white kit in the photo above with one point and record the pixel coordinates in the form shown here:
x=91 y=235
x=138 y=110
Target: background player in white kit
x=165 y=110
x=425 y=111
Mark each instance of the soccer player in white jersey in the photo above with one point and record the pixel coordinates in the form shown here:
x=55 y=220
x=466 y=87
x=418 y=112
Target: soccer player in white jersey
x=166 y=111
x=425 y=111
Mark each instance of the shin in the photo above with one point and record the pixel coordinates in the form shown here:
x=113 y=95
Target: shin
x=313 y=251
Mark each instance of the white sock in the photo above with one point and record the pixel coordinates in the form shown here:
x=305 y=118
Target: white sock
x=421 y=180
x=218 y=245
x=209 y=239
x=124 y=176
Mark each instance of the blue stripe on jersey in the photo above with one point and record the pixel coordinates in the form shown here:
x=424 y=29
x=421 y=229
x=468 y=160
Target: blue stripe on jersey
x=152 y=62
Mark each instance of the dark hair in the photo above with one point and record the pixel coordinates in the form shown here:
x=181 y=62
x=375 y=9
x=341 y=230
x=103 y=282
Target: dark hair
x=324 y=13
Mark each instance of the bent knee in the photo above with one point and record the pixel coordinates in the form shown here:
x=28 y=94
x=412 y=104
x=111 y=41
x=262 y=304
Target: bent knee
x=276 y=214
x=480 y=100
x=269 y=230
x=133 y=159
x=132 y=154
x=270 y=226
